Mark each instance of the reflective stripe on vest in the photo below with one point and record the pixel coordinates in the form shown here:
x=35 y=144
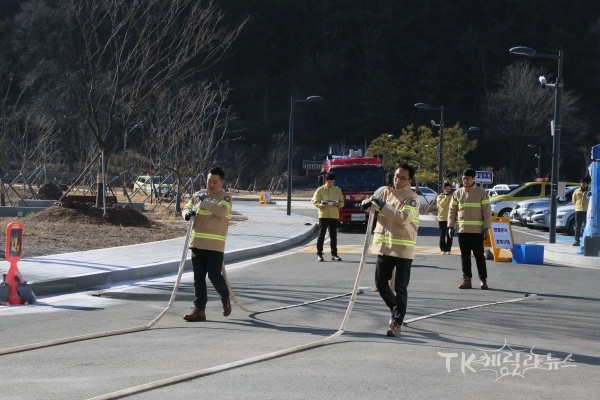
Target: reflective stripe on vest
x=469 y=205
x=401 y=242
x=209 y=236
x=471 y=223
x=415 y=217
x=201 y=211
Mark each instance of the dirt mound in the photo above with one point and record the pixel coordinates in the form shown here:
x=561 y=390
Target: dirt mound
x=49 y=191
x=91 y=215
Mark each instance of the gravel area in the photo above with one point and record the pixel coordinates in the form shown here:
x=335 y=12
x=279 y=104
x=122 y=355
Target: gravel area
x=59 y=230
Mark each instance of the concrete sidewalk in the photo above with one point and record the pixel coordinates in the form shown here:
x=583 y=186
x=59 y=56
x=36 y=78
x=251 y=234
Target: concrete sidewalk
x=266 y=230
x=560 y=253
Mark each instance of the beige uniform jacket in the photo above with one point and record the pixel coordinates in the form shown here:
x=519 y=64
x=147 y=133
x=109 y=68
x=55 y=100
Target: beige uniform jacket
x=580 y=200
x=211 y=222
x=470 y=209
x=397 y=224
x=443 y=205
x=332 y=194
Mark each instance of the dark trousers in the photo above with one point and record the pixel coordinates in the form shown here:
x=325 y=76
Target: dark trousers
x=472 y=242
x=383 y=273
x=445 y=241
x=208 y=262
x=324 y=224
x=580 y=218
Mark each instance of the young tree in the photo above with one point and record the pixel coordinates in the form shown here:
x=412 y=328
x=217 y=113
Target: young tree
x=186 y=128
x=127 y=53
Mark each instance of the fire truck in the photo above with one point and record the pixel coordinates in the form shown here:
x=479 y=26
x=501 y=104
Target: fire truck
x=358 y=177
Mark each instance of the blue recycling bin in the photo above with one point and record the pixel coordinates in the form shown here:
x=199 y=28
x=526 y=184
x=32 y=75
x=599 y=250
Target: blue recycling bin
x=528 y=254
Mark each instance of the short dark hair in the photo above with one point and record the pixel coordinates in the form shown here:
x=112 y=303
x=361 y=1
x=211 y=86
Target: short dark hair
x=217 y=171
x=409 y=168
x=586 y=179
x=330 y=176
x=447 y=184
x=469 y=172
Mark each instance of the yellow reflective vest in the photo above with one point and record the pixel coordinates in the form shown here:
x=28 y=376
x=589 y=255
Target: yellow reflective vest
x=397 y=224
x=580 y=200
x=443 y=205
x=470 y=209
x=211 y=222
x=332 y=194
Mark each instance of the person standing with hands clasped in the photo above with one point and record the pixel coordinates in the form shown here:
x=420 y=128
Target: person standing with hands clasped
x=581 y=202
x=328 y=199
x=443 y=206
x=394 y=241
x=470 y=209
x=207 y=241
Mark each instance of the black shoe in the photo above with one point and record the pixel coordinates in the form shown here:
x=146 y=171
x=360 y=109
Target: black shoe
x=577 y=244
x=484 y=285
x=335 y=258
x=320 y=258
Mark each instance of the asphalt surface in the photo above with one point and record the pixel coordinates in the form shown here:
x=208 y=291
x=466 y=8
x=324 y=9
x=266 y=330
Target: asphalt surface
x=499 y=351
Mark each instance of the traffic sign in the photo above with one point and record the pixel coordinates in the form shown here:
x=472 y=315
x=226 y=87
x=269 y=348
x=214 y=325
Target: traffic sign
x=484 y=176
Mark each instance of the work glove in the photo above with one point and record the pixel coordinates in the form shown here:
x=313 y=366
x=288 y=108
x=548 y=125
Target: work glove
x=450 y=232
x=189 y=214
x=485 y=234
x=365 y=205
x=378 y=202
x=200 y=195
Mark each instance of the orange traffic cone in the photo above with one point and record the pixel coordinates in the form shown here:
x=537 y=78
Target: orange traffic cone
x=13 y=296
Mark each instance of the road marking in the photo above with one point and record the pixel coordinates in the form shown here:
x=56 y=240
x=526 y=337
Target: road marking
x=357 y=249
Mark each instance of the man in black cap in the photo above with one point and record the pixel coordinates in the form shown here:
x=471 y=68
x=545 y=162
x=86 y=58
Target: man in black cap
x=328 y=199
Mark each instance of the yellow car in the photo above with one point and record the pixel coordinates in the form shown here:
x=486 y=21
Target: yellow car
x=503 y=204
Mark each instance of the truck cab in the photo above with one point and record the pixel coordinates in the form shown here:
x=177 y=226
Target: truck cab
x=358 y=178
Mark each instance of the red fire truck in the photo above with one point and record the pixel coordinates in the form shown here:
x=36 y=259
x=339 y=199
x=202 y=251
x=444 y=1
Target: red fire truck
x=358 y=177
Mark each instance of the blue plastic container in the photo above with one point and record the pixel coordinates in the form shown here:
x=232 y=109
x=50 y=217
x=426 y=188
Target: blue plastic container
x=528 y=254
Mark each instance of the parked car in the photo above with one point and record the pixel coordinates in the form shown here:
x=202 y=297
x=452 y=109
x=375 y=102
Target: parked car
x=520 y=210
x=508 y=188
x=157 y=184
x=503 y=204
x=426 y=195
x=496 y=192
x=539 y=218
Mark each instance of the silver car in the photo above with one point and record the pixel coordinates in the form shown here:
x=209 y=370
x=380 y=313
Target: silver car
x=539 y=218
x=520 y=211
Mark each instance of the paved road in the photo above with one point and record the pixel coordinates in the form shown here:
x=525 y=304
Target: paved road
x=425 y=362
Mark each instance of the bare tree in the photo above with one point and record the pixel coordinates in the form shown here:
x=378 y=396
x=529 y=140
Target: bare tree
x=276 y=158
x=519 y=113
x=187 y=127
x=127 y=53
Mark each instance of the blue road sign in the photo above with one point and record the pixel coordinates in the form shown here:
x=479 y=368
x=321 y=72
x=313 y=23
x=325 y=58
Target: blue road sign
x=484 y=176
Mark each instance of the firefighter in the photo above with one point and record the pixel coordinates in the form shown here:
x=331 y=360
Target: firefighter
x=471 y=210
x=394 y=241
x=328 y=199
x=581 y=201
x=443 y=205
x=207 y=241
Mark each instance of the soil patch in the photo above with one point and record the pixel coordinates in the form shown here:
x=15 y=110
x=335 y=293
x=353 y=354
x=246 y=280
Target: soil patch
x=90 y=215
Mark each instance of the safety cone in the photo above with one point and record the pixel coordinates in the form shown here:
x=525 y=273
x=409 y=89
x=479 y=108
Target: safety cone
x=14 y=251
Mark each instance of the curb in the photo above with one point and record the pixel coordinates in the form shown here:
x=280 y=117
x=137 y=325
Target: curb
x=81 y=282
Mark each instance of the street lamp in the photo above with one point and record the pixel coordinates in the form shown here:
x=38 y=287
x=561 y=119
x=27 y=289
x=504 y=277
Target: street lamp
x=527 y=51
x=539 y=158
x=291 y=147
x=441 y=145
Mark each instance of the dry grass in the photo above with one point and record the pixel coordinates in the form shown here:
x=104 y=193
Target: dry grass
x=60 y=230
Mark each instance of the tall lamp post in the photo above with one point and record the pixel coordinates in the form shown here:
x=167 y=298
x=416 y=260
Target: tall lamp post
x=527 y=51
x=291 y=147
x=538 y=172
x=441 y=145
